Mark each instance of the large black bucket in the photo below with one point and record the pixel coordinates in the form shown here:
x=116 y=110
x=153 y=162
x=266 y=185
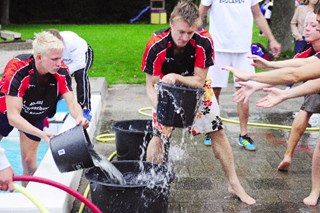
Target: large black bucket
x=151 y=195
x=70 y=149
x=177 y=105
x=132 y=138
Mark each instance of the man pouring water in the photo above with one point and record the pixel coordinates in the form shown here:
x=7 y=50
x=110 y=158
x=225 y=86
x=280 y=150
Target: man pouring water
x=181 y=55
x=30 y=86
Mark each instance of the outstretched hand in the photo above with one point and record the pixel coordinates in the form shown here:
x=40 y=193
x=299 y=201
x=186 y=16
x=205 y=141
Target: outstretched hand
x=241 y=76
x=275 y=97
x=243 y=94
x=259 y=62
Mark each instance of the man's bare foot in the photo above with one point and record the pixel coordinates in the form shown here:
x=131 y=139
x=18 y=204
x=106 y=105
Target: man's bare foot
x=285 y=164
x=243 y=196
x=312 y=199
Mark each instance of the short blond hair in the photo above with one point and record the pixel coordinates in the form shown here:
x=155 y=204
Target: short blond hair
x=44 y=42
x=186 y=11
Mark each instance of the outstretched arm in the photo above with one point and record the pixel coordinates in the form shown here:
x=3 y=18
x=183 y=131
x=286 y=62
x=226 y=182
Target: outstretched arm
x=281 y=76
x=276 y=96
x=262 y=63
x=246 y=90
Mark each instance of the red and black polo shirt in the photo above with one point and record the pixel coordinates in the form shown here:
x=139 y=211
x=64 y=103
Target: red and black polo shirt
x=159 y=60
x=21 y=79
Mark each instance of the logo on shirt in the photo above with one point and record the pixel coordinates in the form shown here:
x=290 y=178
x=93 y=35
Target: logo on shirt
x=169 y=59
x=232 y=1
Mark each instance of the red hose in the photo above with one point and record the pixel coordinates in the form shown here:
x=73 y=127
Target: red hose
x=69 y=190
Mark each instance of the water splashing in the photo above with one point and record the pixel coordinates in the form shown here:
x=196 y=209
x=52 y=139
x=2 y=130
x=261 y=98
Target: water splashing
x=107 y=167
x=178 y=105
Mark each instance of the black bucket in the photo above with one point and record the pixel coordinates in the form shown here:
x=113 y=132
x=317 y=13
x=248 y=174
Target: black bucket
x=70 y=149
x=132 y=138
x=177 y=105
x=131 y=197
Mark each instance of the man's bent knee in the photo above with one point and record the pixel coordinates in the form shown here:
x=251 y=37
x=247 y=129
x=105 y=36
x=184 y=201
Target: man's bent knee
x=155 y=150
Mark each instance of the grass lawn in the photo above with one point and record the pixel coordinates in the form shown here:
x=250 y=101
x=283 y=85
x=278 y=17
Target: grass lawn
x=118 y=48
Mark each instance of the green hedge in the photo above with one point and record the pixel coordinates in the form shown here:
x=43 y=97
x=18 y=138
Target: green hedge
x=81 y=11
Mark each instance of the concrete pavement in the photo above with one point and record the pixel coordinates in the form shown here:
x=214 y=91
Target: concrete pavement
x=200 y=184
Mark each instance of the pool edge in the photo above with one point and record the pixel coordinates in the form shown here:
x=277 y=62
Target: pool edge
x=55 y=200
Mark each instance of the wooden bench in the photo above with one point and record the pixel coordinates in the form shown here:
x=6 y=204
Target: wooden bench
x=9 y=35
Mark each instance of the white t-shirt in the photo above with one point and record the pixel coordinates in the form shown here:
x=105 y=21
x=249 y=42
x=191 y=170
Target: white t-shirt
x=268 y=12
x=231 y=23
x=4 y=163
x=75 y=48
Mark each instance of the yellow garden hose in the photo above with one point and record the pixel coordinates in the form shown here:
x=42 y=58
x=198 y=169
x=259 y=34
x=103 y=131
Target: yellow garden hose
x=33 y=199
x=271 y=126
x=113 y=154
x=86 y=192
x=141 y=111
x=111 y=136
x=104 y=138
x=263 y=125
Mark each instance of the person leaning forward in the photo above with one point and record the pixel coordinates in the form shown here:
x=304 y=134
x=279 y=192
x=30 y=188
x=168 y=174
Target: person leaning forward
x=29 y=88
x=181 y=55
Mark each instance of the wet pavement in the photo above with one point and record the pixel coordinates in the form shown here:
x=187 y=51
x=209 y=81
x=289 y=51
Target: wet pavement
x=200 y=184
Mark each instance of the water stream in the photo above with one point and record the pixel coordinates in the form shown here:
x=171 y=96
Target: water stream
x=107 y=167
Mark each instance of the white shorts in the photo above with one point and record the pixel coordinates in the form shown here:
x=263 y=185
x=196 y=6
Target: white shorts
x=239 y=61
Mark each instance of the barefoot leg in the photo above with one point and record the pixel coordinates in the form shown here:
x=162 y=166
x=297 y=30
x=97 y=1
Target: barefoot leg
x=222 y=151
x=312 y=199
x=299 y=125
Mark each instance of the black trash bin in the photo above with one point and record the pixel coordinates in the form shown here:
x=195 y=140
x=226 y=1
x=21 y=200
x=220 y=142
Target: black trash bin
x=132 y=138
x=177 y=105
x=149 y=195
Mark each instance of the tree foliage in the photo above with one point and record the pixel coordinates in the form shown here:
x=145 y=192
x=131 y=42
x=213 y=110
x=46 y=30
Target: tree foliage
x=81 y=12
